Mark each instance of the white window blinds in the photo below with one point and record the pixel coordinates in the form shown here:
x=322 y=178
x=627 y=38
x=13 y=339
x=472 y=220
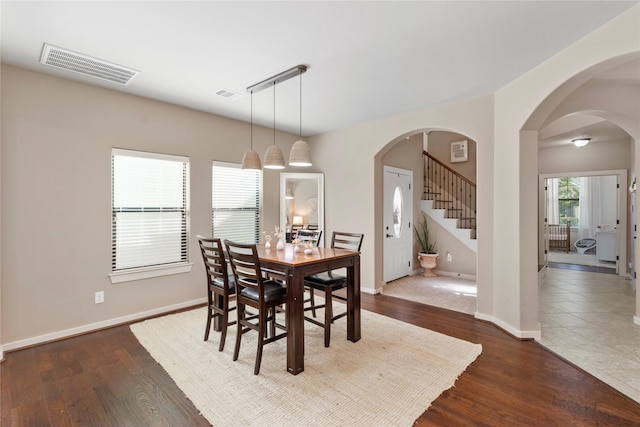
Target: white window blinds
x=149 y=210
x=236 y=202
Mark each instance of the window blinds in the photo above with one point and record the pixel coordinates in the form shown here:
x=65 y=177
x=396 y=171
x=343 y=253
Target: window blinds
x=149 y=209
x=236 y=202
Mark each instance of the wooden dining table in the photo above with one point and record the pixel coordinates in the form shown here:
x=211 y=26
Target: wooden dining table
x=295 y=266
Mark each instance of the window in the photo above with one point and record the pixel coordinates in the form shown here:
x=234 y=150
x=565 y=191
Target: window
x=569 y=200
x=149 y=234
x=236 y=202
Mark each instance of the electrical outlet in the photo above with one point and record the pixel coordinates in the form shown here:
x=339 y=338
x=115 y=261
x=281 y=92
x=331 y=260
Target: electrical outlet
x=99 y=297
x=449 y=257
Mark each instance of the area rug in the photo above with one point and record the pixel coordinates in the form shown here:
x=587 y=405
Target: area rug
x=388 y=378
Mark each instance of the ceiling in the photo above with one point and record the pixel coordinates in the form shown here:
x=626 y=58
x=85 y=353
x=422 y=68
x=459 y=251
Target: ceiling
x=367 y=60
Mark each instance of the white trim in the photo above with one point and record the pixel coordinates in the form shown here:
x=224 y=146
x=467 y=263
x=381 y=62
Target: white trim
x=456 y=275
x=98 y=325
x=536 y=335
x=146 y=273
x=370 y=291
x=636 y=320
x=148 y=155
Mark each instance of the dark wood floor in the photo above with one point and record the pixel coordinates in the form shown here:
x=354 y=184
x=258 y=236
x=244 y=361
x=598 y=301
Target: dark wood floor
x=107 y=379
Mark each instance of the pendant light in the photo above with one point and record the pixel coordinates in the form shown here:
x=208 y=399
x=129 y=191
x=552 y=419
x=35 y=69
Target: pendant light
x=273 y=157
x=251 y=159
x=300 y=154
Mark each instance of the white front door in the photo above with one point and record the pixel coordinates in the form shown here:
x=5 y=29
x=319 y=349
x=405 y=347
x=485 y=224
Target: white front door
x=398 y=220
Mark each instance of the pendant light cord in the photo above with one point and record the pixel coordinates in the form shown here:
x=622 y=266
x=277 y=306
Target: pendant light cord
x=300 y=105
x=274 y=113
x=251 y=121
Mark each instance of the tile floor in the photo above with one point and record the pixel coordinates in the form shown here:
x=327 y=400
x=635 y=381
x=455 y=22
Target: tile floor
x=574 y=257
x=441 y=291
x=586 y=318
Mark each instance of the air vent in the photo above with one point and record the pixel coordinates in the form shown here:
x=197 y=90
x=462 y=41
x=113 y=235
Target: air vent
x=227 y=94
x=459 y=151
x=87 y=65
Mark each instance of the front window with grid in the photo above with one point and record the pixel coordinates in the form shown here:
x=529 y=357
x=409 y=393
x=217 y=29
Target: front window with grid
x=236 y=202
x=149 y=215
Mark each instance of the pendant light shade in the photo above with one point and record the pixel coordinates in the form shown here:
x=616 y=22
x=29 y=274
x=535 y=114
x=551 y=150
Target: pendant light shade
x=273 y=157
x=251 y=159
x=300 y=154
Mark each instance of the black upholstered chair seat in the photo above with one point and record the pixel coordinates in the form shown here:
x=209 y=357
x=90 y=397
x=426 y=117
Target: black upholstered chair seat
x=326 y=279
x=219 y=282
x=273 y=291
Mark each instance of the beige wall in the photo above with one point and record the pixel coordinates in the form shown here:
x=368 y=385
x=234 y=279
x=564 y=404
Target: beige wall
x=439 y=144
x=606 y=155
x=57 y=137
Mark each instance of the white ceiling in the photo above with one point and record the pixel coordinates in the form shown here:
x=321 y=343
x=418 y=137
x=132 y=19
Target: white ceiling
x=367 y=60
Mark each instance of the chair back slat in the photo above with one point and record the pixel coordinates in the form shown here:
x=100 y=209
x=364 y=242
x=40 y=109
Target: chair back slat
x=214 y=259
x=348 y=241
x=245 y=265
x=309 y=236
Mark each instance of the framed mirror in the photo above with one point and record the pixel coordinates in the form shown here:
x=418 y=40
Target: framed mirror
x=301 y=203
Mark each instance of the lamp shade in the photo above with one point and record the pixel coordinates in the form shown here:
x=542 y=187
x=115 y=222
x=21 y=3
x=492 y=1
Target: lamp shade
x=297 y=220
x=251 y=160
x=288 y=194
x=300 y=154
x=273 y=158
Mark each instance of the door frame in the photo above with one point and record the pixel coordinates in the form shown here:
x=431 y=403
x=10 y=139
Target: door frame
x=622 y=229
x=408 y=212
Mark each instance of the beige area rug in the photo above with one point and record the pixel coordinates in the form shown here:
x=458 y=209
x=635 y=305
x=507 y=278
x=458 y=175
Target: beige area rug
x=388 y=378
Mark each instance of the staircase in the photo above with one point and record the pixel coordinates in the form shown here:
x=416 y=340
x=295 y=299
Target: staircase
x=450 y=200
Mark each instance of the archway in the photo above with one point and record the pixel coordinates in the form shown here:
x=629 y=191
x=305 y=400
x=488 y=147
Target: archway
x=437 y=140
x=587 y=93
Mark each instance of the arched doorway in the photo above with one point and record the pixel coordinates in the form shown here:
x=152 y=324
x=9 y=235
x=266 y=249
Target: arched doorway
x=406 y=152
x=605 y=92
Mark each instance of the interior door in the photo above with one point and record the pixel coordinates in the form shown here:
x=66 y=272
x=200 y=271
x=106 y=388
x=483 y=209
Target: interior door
x=398 y=220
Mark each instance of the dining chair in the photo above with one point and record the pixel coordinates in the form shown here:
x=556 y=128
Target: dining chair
x=220 y=286
x=313 y=237
x=331 y=281
x=255 y=291
x=309 y=236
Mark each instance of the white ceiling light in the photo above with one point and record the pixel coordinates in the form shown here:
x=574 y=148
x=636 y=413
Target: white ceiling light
x=581 y=142
x=300 y=154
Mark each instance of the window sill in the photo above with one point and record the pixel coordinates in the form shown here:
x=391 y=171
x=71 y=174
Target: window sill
x=146 y=273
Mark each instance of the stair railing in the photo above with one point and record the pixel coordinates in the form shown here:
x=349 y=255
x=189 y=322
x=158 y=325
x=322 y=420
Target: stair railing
x=450 y=190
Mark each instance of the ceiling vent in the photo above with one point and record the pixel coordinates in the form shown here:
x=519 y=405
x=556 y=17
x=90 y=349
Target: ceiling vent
x=87 y=65
x=227 y=94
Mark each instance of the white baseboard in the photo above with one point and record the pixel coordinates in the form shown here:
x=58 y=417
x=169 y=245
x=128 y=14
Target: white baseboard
x=456 y=275
x=96 y=326
x=536 y=335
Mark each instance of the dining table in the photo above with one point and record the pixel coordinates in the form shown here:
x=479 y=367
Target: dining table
x=294 y=266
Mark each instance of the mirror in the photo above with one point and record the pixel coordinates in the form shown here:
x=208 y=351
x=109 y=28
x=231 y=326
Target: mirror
x=301 y=203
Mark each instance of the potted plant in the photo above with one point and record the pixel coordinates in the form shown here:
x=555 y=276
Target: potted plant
x=428 y=254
